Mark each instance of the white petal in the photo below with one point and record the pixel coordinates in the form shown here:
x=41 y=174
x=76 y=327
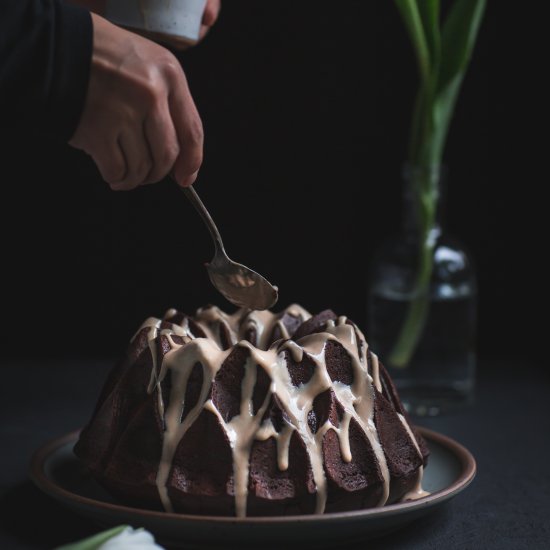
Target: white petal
x=131 y=539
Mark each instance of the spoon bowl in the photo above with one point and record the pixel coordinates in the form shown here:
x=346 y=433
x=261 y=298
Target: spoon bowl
x=239 y=284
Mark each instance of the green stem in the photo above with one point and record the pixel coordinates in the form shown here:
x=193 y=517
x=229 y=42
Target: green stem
x=425 y=182
x=418 y=309
x=443 y=54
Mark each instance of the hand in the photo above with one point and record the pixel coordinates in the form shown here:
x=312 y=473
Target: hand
x=139 y=121
x=210 y=16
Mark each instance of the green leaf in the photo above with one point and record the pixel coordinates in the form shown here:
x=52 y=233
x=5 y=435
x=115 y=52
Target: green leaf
x=447 y=53
x=443 y=110
x=95 y=541
x=458 y=38
x=429 y=15
x=413 y=23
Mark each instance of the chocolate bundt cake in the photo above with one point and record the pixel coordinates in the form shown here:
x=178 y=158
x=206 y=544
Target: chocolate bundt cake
x=253 y=413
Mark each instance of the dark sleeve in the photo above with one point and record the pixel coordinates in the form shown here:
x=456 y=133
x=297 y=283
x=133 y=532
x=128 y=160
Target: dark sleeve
x=45 y=56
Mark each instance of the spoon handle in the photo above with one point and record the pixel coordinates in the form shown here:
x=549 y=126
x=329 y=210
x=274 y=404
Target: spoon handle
x=195 y=200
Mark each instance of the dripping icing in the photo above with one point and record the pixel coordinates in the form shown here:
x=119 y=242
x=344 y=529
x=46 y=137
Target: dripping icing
x=243 y=429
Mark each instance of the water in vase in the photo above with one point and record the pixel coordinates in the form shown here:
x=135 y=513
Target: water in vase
x=440 y=375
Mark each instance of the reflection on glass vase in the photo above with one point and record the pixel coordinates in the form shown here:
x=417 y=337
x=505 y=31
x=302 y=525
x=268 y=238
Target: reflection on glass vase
x=422 y=304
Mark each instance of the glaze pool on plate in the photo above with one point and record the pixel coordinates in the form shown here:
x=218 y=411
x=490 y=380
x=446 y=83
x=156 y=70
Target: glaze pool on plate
x=57 y=471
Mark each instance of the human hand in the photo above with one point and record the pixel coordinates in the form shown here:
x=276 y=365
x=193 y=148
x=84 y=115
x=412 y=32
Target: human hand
x=139 y=122
x=210 y=16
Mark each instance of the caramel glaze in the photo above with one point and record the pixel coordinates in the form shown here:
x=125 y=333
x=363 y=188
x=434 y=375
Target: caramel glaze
x=223 y=333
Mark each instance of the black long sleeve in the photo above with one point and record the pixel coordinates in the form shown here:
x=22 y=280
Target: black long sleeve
x=45 y=56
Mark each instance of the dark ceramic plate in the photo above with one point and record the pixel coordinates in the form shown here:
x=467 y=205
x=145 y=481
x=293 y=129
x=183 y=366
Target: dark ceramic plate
x=56 y=470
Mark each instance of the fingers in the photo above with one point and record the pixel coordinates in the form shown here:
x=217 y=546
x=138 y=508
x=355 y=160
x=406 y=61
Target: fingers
x=110 y=161
x=187 y=181
x=209 y=17
x=203 y=32
x=169 y=140
x=137 y=155
x=162 y=141
x=211 y=12
x=189 y=131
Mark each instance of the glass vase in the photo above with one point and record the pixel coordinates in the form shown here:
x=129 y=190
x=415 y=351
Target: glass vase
x=422 y=303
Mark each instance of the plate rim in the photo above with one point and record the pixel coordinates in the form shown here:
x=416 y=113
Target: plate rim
x=38 y=475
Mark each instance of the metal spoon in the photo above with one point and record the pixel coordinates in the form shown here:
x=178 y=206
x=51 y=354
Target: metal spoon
x=238 y=283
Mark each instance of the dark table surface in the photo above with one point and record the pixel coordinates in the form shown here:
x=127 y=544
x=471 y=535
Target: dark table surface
x=507 y=430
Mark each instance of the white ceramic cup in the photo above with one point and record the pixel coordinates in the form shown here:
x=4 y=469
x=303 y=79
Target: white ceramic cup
x=175 y=19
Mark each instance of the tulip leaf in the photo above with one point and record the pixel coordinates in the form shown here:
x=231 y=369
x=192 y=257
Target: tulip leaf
x=95 y=541
x=413 y=23
x=458 y=38
x=443 y=53
x=429 y=15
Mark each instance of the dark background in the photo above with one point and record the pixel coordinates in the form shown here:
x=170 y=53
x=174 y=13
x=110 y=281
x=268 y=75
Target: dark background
x=306 y=110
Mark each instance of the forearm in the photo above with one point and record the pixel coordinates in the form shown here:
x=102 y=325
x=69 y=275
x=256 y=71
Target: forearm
x=45 y=53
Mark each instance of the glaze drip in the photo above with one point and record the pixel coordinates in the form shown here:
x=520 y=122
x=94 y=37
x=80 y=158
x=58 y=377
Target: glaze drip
x=223 y=333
